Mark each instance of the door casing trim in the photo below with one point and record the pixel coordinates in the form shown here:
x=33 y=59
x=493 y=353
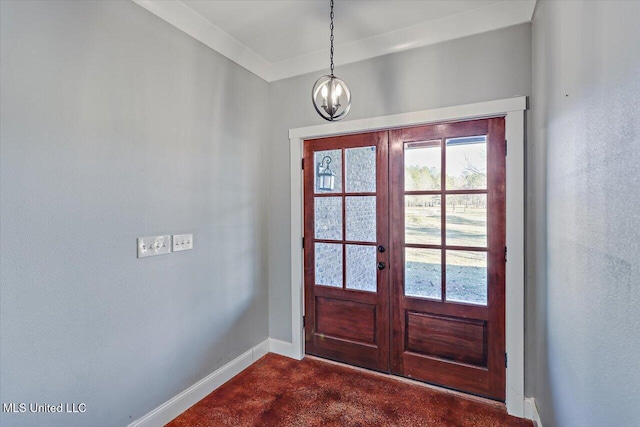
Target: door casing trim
x=513 y=109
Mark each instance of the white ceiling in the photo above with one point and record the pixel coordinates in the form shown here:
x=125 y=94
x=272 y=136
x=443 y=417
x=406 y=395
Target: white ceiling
x=276 y=39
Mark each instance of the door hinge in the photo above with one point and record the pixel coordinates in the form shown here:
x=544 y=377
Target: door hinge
x=302 y=163
x=505 y=147
x=505 y=254
x=303 y=243
x=304 y=321
x=505 y=360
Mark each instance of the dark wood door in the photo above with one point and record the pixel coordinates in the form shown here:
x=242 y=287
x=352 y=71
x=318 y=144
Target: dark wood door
x=448 y=255
x=432 y=199
x=346 y=254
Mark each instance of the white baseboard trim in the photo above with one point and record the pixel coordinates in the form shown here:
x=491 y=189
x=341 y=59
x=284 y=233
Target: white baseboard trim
x=282 y=348
x=531 y=411
x=189 y=397
x=183 y=401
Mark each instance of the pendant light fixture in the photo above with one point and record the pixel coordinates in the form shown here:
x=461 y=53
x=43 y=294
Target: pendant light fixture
x=330 y=95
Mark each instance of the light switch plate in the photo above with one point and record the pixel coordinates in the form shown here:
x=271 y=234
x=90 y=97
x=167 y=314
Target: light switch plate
x=153 y=245
x=182 y=242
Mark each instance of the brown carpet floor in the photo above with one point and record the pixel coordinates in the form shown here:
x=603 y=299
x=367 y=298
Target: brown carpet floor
x=278 y=391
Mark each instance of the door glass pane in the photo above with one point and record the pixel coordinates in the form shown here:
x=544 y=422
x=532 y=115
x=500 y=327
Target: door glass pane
x=467 y=163
x=361 y=218
x=328 y=220
x=328 y=171
x=422 y=273
x=328 y=264
x=467 y=277
x=467 y=220
x=422 y=220
x=360 y=165
x=361 y=268
x=422 y=162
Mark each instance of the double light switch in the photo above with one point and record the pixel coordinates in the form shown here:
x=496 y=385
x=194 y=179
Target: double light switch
x=159 y=245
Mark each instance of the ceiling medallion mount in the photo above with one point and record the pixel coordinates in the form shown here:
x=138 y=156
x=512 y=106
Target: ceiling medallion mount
x=330 y=95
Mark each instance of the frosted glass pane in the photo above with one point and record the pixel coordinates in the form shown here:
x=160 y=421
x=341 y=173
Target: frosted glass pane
x=331 y=159
x=328 y=264
x=361 y=268
x=360 y=169
x=328 y=219
x=361 y=218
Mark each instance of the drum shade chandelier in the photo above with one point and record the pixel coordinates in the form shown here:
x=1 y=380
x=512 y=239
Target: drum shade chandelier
x=330 y=95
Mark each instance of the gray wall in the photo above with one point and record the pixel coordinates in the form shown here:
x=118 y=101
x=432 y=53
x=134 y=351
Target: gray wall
x=115 y=125
x=586 y=120
x=484 y=67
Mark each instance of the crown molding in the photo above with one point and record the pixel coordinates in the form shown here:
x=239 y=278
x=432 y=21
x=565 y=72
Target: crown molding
x=186 y=19
x=498 y=15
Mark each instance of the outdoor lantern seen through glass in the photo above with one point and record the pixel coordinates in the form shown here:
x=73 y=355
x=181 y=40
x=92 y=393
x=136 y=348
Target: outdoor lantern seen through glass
x=330 y=95
x=326 y=177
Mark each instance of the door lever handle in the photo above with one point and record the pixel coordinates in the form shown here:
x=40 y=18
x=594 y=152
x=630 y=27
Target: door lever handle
x=381 y=266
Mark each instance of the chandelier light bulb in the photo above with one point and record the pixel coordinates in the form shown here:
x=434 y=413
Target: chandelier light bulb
x=331 y=98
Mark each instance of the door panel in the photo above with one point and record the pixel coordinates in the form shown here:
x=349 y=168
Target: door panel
x=450 y=338
x=349 y=320
x=447 y=248
x=346 y=295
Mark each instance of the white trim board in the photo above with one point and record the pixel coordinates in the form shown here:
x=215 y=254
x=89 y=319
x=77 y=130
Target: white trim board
x=189 y=397
x=495 y=16
x=531 y=411
x=189 y=21
x=513 y=109
x=282 y=348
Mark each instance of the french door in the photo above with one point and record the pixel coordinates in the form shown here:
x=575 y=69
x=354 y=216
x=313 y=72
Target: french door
x=345 y=203
x=405 y=252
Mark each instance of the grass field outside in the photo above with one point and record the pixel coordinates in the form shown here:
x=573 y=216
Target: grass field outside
x=466 y=271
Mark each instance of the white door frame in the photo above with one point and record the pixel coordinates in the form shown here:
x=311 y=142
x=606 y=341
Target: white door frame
x=513 y=109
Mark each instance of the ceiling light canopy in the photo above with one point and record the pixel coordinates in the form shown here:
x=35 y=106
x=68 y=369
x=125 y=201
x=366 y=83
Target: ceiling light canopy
x=331 y=96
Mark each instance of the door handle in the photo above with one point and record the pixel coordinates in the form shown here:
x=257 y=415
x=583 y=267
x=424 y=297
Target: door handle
x=381 y=266
x=381 y=248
